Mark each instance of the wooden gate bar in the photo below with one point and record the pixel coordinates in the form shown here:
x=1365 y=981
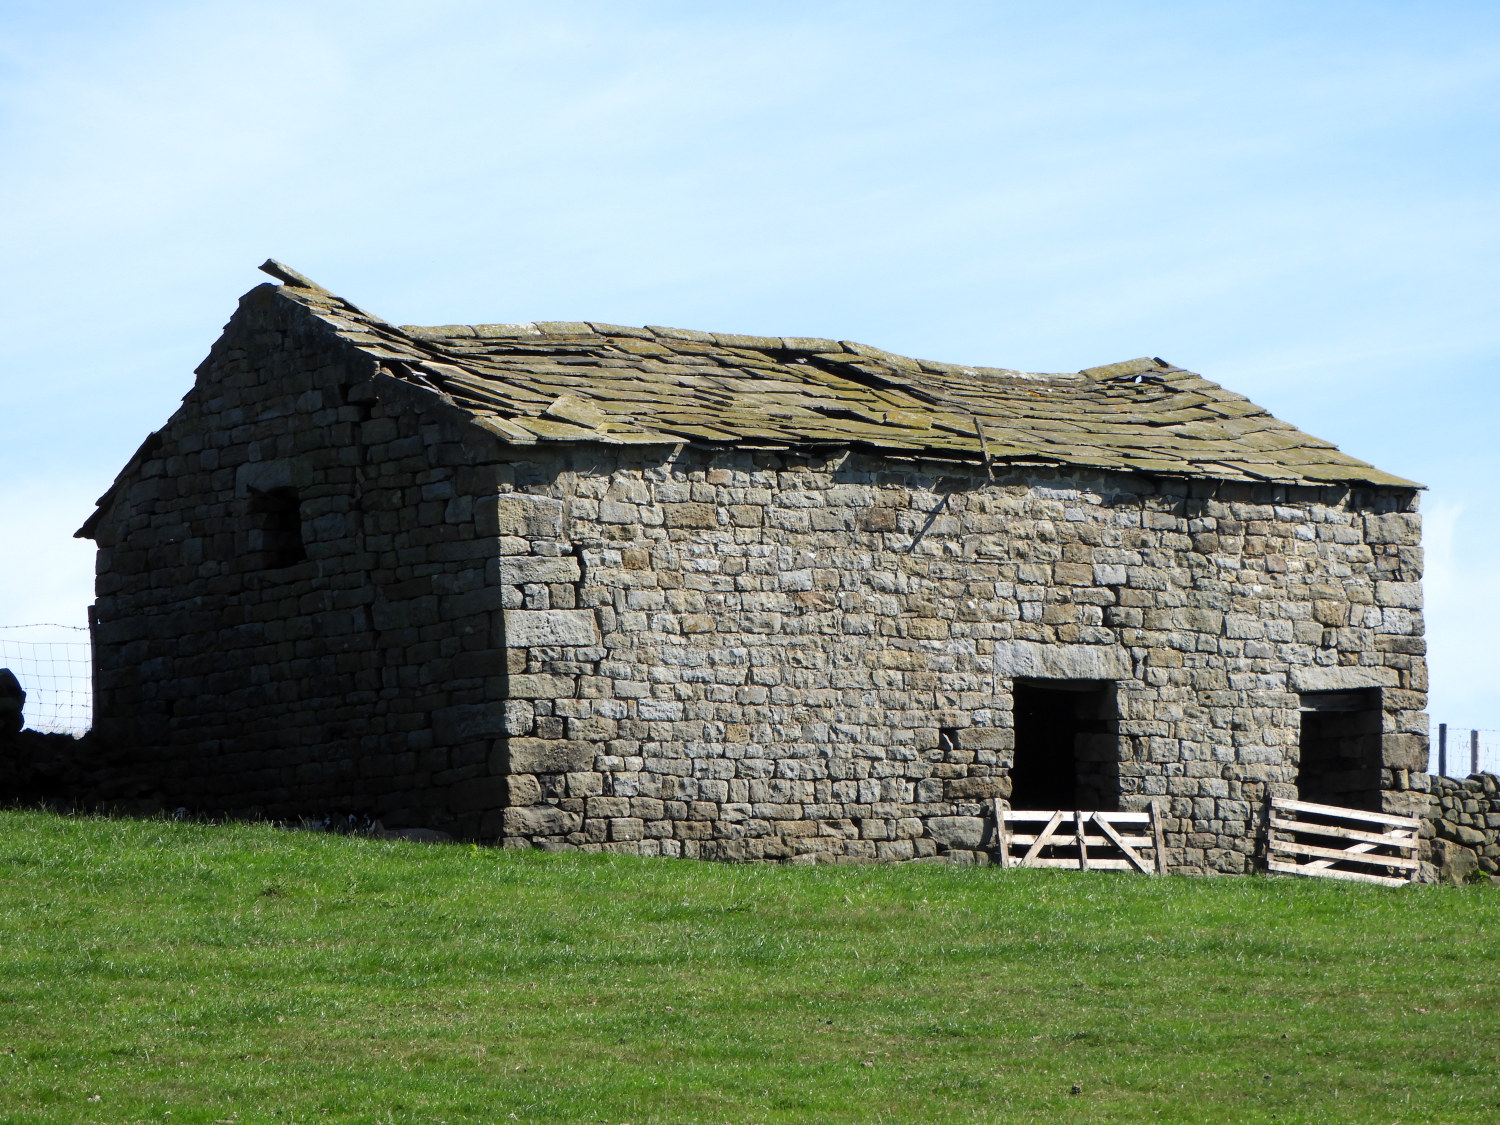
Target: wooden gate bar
x=1381 y=848
x=1002 y=837
x=1122 y=850
x=1042 y=838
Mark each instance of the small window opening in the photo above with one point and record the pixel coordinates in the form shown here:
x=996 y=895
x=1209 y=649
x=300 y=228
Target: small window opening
x=947 y=739
x=276 y=535
x=1067 y=746
x=1339 y=749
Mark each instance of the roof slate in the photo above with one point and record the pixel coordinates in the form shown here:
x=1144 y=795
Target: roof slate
x=572 y=381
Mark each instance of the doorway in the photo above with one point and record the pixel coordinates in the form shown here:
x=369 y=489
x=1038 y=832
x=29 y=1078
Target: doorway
x=1067 y=746
x=1339 y=749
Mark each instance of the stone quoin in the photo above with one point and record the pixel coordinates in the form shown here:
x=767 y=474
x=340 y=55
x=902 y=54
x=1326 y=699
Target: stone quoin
x=667 y=592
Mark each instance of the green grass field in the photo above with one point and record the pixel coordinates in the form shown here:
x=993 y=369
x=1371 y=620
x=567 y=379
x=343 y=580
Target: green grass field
x=189 y=973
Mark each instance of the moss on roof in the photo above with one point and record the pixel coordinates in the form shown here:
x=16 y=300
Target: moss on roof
x=587 y=381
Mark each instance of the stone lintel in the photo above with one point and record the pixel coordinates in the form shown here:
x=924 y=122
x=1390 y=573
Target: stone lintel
x=1062 y=662
x=1315 y=678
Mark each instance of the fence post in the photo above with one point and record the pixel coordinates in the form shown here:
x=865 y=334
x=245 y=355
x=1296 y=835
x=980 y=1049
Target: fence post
x=1473 y=752
x=1442 y=749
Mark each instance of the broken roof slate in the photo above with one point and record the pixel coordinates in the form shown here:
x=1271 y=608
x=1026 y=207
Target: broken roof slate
x=590 y=381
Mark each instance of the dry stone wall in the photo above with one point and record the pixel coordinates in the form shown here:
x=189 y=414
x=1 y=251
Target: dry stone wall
x=748 y=656
x=358 y=676
x=1466 y=813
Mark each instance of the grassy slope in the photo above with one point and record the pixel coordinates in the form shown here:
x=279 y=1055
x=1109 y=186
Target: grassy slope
x=188 y=973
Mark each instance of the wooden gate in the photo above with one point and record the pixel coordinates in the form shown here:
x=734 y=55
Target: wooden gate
x=1335 y=843
x=1084 y=841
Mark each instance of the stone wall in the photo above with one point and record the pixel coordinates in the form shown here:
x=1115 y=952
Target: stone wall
x=1466 y=813
x=12 y=704
x=353 y=671
x=751 y=656
x=324 y=588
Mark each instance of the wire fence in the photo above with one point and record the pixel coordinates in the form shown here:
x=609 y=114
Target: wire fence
x=54 y=664
x=1467 y=751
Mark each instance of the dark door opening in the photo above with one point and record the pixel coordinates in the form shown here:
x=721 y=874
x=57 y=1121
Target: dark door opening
x=1339 y=749
x=1067 y=746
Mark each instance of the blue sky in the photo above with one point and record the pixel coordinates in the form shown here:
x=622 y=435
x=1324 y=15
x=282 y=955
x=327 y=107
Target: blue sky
x=1297 y=200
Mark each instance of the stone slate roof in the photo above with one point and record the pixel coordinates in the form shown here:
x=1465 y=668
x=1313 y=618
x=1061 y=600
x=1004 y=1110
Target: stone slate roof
x=583 y=381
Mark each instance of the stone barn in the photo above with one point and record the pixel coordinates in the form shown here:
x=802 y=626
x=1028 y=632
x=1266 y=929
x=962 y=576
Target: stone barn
x=651 y=590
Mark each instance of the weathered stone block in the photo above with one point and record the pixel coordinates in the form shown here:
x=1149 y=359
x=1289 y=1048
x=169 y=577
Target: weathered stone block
x=542 y=685
x=517 y=570
x=593 y=728
x=540 y=820
x=956 y=831
x=1072 y=574
x=548 y=628
x=977 y=788
x=626 y=828
x=690 y=515
x=1320 y=678
x=1396 y=528
x=543 y=755
x=524 y=789
x=1061 y=661
x=1404 y=595
x=986 y=738
x=518 y=513
x=647 y=808
x=1454 y=862
x=1404 y=751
